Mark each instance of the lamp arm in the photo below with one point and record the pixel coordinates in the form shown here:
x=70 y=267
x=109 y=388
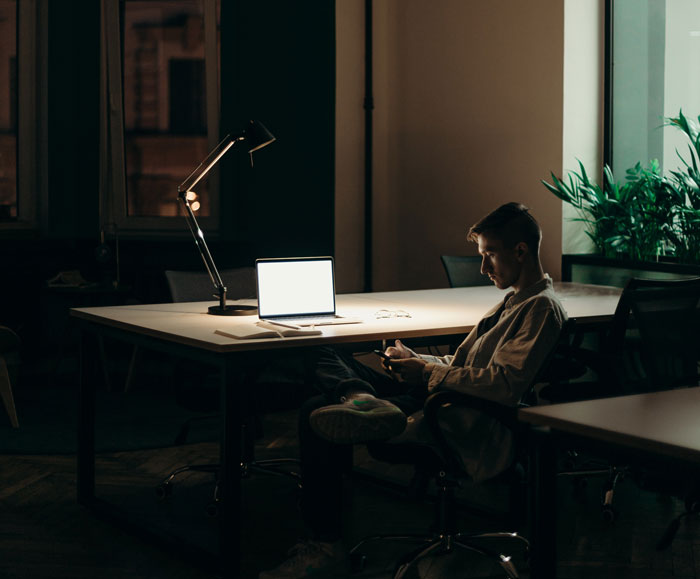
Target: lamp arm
x=258 y=137
x=205 y=166
x=203 y=249
x=185 y=187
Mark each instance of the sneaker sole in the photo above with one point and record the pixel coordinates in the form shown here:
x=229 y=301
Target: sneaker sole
x=343 y=425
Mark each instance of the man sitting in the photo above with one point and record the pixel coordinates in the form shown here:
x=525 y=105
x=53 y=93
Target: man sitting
x=498 y=361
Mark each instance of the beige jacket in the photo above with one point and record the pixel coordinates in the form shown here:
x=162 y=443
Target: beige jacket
x=498 y=360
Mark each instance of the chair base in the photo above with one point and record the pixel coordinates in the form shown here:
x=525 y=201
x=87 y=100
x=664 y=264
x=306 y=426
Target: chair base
x=271 y=466
x=440 y=544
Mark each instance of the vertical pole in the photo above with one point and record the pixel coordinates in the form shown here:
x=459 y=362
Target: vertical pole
x=86 y=424
x=607 y=85
x=543 y=504
x=231 y=385
x=368 y=106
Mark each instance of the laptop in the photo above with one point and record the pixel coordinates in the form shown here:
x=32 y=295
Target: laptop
x=299 y=291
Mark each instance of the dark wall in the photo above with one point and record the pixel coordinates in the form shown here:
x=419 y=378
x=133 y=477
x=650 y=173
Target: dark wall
x=71 y=210
x=278 y=65
x=282 y=55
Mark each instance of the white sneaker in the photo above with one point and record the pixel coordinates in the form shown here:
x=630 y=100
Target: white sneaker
x=360 y=419
x=306 y=558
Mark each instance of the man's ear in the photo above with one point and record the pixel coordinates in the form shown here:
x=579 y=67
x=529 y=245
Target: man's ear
x=521 y=250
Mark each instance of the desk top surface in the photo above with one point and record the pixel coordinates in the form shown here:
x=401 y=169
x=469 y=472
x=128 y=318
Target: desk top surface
x=438 y=312
x=665 y=422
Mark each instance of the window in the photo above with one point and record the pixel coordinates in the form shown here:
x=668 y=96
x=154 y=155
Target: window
x=8 y=111
x=161 y=69
x=655 y=56
x=21 y=75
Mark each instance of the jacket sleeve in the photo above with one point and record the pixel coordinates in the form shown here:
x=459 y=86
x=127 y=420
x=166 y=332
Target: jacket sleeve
x=513 y=365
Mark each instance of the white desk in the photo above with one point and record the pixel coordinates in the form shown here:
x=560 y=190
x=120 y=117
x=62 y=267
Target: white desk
x=438 y=312
x=662 y=427
x=187 y=331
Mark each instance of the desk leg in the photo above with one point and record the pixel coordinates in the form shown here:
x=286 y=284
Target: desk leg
x=543 y=504
x=86 y=423
x=230 y=477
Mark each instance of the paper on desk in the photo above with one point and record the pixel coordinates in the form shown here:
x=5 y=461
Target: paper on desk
x=266 y=330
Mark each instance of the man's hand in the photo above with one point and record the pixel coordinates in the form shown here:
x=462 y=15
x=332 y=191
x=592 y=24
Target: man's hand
x=400 y=351
x=397 y=352
x=409 y=369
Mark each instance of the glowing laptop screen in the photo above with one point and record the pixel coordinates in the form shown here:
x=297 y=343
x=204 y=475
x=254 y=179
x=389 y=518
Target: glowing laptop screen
x=295 y=287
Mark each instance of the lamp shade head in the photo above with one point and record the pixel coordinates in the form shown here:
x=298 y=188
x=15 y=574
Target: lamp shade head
x=257 y=136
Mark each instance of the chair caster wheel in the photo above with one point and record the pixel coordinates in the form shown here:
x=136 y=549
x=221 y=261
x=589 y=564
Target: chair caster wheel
x=357 y=562
x=212 y=510
x=164 y=490
x=609 y=514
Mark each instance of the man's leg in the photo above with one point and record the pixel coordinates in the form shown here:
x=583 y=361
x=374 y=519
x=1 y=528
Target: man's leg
x=364 y=405
x=323 y=464
x=338 y=376
x=335 y=367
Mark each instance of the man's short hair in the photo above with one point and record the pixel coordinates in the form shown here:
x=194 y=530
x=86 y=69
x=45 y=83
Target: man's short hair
x=512 y=223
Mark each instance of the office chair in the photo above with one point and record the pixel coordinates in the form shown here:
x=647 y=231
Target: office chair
x=9 y=359
x=651 y=344
x=196 y=286
x=665 y=315
x=464 y=270
x=440 y=462
x=188 y=286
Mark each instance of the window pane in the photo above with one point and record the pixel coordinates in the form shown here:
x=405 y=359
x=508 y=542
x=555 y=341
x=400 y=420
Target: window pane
x=8 y=110
x=682 y=66
x=164 y=104
x=656 y=52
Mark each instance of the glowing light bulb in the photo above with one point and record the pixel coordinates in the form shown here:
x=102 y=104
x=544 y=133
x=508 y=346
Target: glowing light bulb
x=195 y=206
x=191 y=196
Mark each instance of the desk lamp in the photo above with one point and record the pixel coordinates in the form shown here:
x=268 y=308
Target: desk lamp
x=257 y=136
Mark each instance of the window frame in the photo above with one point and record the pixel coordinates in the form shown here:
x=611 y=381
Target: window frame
x=113 y=213
x=31 y=160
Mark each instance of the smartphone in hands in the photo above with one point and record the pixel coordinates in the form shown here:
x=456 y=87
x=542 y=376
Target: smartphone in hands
x=382 y=355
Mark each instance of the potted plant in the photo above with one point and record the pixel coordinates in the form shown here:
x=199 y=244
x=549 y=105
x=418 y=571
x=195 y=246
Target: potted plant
x=686 y=233
x=648 y=215
x=628 y=219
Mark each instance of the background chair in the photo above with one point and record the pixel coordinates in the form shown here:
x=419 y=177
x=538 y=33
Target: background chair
x=9 y=360
x=186 y=286
x=665 y=316
x=464 y=270
x=438 y=461
x=651 y=344
x=196 y=286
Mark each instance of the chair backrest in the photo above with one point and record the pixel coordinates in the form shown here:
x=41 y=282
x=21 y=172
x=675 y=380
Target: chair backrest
x=558 y=367
x=464 y=270
x=196 y=286
x=660 y=318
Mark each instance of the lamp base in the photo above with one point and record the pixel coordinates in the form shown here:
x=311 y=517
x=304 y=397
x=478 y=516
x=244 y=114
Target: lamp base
x=233 y=310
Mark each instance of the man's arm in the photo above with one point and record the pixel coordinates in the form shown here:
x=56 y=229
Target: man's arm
x=513 y=366
x=408 y=364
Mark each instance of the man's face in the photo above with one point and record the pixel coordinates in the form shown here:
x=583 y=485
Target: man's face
x=503 y=265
